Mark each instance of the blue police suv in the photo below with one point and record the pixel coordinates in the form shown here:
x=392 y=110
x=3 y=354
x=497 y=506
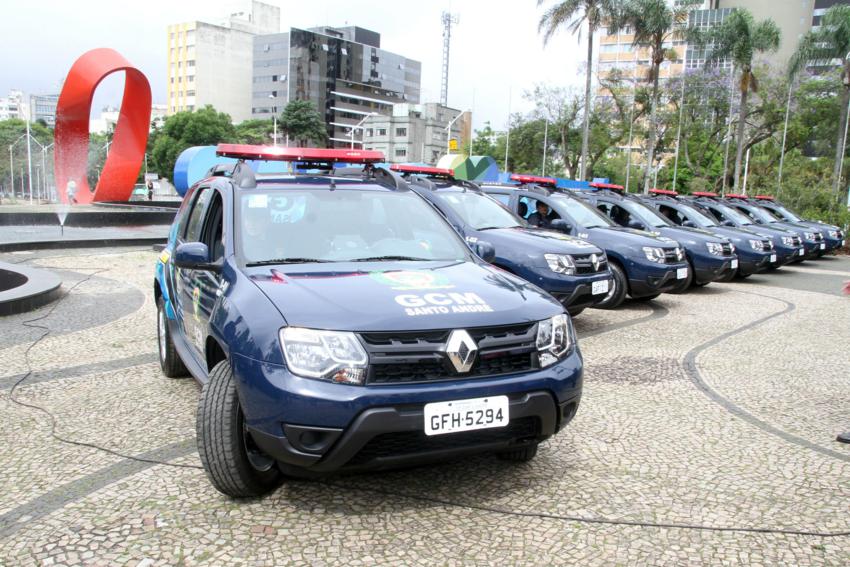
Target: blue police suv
x=642 y=265
x=338 y=321
x=711 y=256
x=833 y=236
x=755 y=251
x=574 y=271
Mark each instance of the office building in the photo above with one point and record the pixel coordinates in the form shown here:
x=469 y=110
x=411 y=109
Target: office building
x=13 y=106
x=343 y=71
x=416 y=132
x=210 y=63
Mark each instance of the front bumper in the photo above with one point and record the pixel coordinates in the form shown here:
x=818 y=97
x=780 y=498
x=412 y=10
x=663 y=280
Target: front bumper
x=709 y=268
x=580 y=294
x=655 y=279
x=317 y=426
x=753 y=262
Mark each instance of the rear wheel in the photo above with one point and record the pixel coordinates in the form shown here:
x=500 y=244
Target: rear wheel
x=233 y=462
x=619 y=288
x=170 y=362
x=521 y=455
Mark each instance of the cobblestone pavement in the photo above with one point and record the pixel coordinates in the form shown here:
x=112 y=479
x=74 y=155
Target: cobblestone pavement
x=705 y=436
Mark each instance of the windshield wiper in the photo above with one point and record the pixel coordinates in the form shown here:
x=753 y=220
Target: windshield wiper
x=389 y=258
x=495 y=227
x=287 y=261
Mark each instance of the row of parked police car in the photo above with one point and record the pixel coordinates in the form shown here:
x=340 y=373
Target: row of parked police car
x=362 y=317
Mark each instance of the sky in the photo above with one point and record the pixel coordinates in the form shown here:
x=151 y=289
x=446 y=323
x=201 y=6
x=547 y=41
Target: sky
x=496 y=52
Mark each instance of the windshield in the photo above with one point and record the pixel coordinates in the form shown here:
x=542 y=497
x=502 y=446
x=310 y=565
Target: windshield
x=582 y=213
x=733 y=214
x=478 y=211
x=782 y=213
x=646 y=215
x=760 y=214
x=697 y=217
x=341 y=225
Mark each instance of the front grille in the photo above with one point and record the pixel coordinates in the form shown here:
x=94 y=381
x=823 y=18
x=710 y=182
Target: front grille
x=670 y=256
x=796 y=240
x=408 y=443
x=419 y=356
x=584 y=263
x=767 y=245
x=727 y=249
x=818 y=237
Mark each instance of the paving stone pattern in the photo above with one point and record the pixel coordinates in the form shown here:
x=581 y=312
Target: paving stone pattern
x=705 y=436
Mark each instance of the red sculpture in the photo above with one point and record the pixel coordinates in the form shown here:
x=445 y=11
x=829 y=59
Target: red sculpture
x=127 y=151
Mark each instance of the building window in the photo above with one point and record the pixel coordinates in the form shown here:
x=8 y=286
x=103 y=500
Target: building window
x=369 y=132
x=382 y=131
x=401 y=131
x=190 y=63
x=190 y=93
x=401 y=152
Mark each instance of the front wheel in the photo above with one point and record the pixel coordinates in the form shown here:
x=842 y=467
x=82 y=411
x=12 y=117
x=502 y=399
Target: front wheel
x=619 y=288
x=233 y=462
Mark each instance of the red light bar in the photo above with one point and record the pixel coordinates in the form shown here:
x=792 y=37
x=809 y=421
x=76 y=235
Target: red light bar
x=613 y=186
x=422 y=170
x=765 y=197
x=663 y=192
x=276 y=153
x=734 y=196
x=533 y=179
x=704 y=194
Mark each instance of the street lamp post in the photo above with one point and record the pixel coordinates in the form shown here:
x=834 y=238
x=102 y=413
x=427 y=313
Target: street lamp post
x=359 y=125
x=274 y=122
x=449 y=131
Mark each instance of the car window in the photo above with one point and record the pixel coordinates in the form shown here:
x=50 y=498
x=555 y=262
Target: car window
x=722 y=212
x=528 y=205
x=758 y=214
x=644 y=214
x=340 y=225
x=785 y=214
x=478 y=211
x=504 y=199
x=213 y=234
x=196 y=217
x=581 y=213
x=672 y=214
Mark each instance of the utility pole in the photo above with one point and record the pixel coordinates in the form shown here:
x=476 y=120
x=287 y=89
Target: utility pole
x=545 y=144
x=508 y=142
x=679 y=132
x=784 y=136
x=448 y=20
x=29 y=153
x=729 y=129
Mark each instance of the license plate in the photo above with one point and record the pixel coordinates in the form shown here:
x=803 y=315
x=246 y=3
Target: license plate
x=773 y=257
x=466 y=415
x=681 y=273
x=734 y=264
x=599 y=287
x=822 y=246
x=802 y=251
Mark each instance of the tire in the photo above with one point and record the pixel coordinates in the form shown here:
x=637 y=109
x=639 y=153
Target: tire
x=731 y=276
x=521 y=455
x=169 y=360
x=743 y=276
x=685 y=284
x=232 y=462
x=619 y=288
x=647 y=297
x=575 y=312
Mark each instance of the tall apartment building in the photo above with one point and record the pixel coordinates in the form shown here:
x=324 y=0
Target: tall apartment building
x=13 y=106
x=415 y=132
x=210 y=63
x=43 y=107
x=343 y=71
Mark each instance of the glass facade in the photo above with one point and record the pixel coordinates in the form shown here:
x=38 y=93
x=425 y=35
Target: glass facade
x=346 y=80
x=705 y=19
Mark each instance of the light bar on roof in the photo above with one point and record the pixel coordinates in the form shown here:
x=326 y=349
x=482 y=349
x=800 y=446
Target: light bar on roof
x=703 y=194
x=765 y=197
x=612 y=186
x=735 y=196
x=313 y=155
x=533 y=179
x=663 y=192
x=422 y=170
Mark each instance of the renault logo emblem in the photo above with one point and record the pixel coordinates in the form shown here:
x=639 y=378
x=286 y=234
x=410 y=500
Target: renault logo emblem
x=461 y=349
x=594 y=261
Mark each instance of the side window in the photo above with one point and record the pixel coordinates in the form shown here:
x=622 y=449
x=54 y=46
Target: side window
x=213 y=234
x=604 y=207
x=196 y=217
x=504 y=199
x=526 y=206
x=619 y=215
x=672 y=214
x=717 y=214
x=750 y=215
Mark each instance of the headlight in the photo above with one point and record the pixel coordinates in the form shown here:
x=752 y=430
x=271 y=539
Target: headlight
x=328 y=355
x=809 y=235
x=757 y=245
x=561 y=263
x=654 y=254
x=715 y=248
x=834 y=234
x=788 y=240
x=554 y=339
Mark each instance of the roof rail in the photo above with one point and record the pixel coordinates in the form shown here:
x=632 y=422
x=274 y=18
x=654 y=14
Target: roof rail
x=240 y=174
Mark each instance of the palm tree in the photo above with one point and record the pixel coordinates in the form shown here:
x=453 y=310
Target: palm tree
x=572 y=14
x=654 y=25
x=831 y=41
x=739 y=38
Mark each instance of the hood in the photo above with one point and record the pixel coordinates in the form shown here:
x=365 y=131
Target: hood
x=739 y=233
x=382 y=296
x=691 y=235
x=532 y=240
x=634 y=237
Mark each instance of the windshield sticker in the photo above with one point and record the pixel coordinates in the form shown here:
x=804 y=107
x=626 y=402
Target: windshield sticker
x=583 y=235
x=258 y=201
x=410 y=280
x=442 y=303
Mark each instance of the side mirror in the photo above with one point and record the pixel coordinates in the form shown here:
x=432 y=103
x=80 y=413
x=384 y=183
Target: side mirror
x=728 y=223
x=689 y=224
x=636 y=224
x=195 y=256
x=562 y=225
x=485 y=251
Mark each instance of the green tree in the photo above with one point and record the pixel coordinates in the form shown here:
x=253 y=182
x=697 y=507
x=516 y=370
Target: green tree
x=257 y=131
x=182 y=130
x=740 y=38
x=303 y=124
x=484 y=142
x=13 y=131
x=830 y=41
x=654 y=24
x=572 y=14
